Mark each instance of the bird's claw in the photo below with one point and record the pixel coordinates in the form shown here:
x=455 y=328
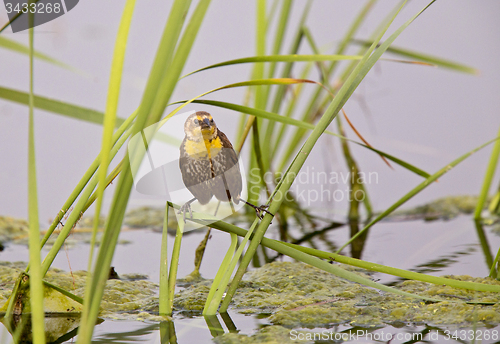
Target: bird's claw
x=261 y=209
x=186 y=207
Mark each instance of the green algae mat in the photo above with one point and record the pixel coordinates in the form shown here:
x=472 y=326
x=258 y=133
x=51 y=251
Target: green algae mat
x=298 y=295
x=291 y=295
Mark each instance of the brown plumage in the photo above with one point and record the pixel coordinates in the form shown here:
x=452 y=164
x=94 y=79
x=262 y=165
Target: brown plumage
x=208 y=162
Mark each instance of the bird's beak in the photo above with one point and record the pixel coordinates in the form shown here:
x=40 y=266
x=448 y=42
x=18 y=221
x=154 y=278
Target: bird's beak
x=205 y=124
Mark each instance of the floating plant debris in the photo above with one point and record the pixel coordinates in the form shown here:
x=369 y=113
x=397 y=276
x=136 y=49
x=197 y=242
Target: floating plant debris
x=441 y=209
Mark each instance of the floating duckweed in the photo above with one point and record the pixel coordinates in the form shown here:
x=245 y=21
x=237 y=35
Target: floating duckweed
x=441 y=209
x=268 y=334
x=17 y=230
x=87 y=222
x=298 y=295
x=12 y=229
x=121 y=299
x=399 y=313
x=193 y=297
x=148 y=217
x=294 y=294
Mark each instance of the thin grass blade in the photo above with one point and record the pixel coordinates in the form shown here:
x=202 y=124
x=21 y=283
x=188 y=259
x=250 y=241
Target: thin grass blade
x=22 y=49
x=217 y=282
x=174 y=266
x=416 y=190
x=337 y=103
x=280 y=93
x=107 y=141
x=35 y=281
x=301 y=124
x=55 y=106
x=490 y=173
x=278 y=58
x=277 y=245
x=434 y=60
x=226 y=271
x=259 y=82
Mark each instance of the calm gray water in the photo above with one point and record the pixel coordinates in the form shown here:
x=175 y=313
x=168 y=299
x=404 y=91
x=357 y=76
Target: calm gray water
x=424 y=115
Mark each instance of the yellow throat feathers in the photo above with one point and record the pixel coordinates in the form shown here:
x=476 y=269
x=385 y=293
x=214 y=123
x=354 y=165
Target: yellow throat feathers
x=203 y=148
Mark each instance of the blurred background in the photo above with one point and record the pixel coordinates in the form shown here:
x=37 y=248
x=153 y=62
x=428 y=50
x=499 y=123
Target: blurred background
x=424 y=115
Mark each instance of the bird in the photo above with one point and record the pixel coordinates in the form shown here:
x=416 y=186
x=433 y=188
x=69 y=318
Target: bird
x=209 y=164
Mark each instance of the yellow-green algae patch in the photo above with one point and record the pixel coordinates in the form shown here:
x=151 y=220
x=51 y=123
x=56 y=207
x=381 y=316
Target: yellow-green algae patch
x=122 y=299
x=148 y=217
x=298 y=295
x=12 y=229
x=17 y=230
x=268 y=334
x=444 y=208
x=293 y=295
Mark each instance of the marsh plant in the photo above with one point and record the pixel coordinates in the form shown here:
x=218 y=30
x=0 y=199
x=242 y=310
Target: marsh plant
x=278 y=133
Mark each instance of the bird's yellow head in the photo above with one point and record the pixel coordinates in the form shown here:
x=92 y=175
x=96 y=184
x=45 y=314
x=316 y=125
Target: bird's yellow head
x=200 y=126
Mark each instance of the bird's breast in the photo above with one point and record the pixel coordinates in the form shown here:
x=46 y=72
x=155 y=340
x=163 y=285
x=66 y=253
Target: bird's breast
x=203 y=149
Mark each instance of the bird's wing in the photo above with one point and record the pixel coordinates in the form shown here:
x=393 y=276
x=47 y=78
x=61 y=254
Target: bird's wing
x=227 y=182
x=196 y=175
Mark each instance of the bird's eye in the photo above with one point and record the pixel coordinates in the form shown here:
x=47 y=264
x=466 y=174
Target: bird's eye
x=212 y=120
x=196 y=121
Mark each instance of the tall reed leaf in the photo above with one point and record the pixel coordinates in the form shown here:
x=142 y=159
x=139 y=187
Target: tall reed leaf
x=278 y=58
x=164 y=299
x=22 y=49
x=490 y=173
x=301 y=124
x=259 y=82
x=338 y=102
x=437 y=61
x=277 y=246
x=148 y=113
x=35 y=281
x=107 y=136
x=55 y=106
x=416 y=190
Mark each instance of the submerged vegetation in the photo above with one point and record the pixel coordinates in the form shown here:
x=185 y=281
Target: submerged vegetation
x=441 y=209
x=290 y=295
x=280 y=137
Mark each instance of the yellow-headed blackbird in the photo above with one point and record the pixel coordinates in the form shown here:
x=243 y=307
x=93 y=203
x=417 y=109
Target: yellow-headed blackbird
x=209 y=164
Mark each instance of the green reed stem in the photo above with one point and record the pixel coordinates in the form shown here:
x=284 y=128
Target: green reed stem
x=219 y=294
x=85 y=179
x=490 y=172
x=345 y=92
x=494 y=267
x=277 y=44
x=107 y=143
x=212 y=304
x=277 y=246
x=35 y=281
x=311 y=108
x=165 y=303
x=174 y=265
x=415 y=191
x=77 y=211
